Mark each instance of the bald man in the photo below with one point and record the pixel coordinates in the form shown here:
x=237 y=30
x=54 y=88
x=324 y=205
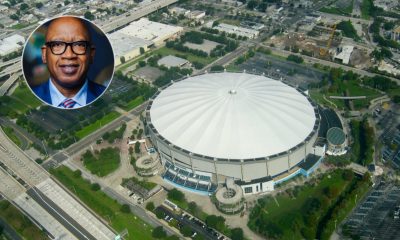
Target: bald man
x=68 y=53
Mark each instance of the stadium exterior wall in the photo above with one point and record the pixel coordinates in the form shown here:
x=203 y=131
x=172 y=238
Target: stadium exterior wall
x=245 y=170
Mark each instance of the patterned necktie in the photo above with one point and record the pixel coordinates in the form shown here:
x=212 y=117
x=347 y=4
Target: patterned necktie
x=67 y=103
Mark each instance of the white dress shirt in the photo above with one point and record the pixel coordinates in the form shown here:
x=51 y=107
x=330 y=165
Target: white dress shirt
x=57 y=97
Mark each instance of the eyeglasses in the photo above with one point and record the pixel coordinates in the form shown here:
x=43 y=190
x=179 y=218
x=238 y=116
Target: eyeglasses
x=59 y=47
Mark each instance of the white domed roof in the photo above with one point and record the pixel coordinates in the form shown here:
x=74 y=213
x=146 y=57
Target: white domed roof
x=232 y=115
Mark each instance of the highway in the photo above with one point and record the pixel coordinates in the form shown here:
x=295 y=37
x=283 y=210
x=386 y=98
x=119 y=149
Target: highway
x=107 y=27
x=30 y=174
x=131 y=16
x=7 y=85
x=9 y=62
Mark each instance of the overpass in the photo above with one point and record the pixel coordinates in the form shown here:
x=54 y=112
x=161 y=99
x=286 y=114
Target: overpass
x=9 y=62
x=8 y=84
x=10 y=70
x=131 y=16
x=26 y=184
x=120 y=21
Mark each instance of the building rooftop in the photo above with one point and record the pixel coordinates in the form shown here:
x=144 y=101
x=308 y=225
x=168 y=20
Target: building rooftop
x=172 y=61
x=345 y=54
x=335 y=136
x=123 y=43
x=148 y=30
x=232 y=115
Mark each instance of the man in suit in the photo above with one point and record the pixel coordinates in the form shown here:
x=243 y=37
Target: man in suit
x=68 y=53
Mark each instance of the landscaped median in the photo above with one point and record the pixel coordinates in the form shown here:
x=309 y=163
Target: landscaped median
x=21 y=224
x=97 y=124
x=106 y=207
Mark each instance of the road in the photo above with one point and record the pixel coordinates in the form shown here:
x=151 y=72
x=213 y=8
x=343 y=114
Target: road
x=10 y=81
x=24 y=135
x=136 y=209
x=131 y=16
x=56 y=211
x=309 y=59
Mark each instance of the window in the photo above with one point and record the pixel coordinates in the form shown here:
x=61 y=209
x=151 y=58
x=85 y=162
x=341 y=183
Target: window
x=248 y=189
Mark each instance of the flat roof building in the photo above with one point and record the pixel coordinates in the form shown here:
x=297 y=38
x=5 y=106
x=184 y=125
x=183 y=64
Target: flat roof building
x=240 y=31
x=345 y=54
x=172 y=61
x=11 y=44
x=158 y=33
x=127 y=46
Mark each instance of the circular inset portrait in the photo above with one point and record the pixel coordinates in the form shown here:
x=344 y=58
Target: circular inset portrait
x=68 y=62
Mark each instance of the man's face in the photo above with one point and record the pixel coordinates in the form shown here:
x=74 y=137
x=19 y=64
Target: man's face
x=69 y=69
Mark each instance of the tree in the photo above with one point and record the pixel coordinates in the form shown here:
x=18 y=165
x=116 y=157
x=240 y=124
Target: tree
x=159 y=232
x=176 y=195
x=217 y=68
x=142 y=63
x=295 y=58
x=150 y=206
x=186 y=231
x=39 y=5
x=95 y=187
x=24 y=7
x=77 y=173
x=159 y=213
x=141 y=50
x=137 y=147
x=122 y=59
x=125 y=208
x=88 y=15
x=66 y=2
x=216 y=222
x=237 y=234
x=215 y=24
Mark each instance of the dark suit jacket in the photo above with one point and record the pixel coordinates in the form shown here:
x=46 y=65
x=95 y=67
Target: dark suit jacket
x=93 y=91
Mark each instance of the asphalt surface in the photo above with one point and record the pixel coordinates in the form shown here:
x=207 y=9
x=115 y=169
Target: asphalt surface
x=198 y=227
x=69 y=223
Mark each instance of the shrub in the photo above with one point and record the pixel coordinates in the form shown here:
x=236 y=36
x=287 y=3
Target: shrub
x=125 y=208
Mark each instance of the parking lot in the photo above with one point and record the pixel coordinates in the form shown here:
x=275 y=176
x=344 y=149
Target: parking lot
x=375 y=217
x=197 y=226
x=276 y=68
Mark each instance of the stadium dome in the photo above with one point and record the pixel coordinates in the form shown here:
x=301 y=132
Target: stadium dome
x=231 y=115
x=236 y=125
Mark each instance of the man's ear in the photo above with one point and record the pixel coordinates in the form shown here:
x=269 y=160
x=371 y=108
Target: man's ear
x=92 y=53
x=44 y=51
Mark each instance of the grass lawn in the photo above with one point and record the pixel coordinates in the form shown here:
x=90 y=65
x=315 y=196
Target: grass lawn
x=365 y=9
x=143 y=183
x=394 y=92
x=10 y=133
x=20 y=223
x=23 y=99
x=133 y=103
x=339 y=11
x=286 y=212
x=96 y=125
x=354 y=90
x=129 y=63
x=164 y=51
x=103 y=163
x=103 y=205
x=233 y=68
